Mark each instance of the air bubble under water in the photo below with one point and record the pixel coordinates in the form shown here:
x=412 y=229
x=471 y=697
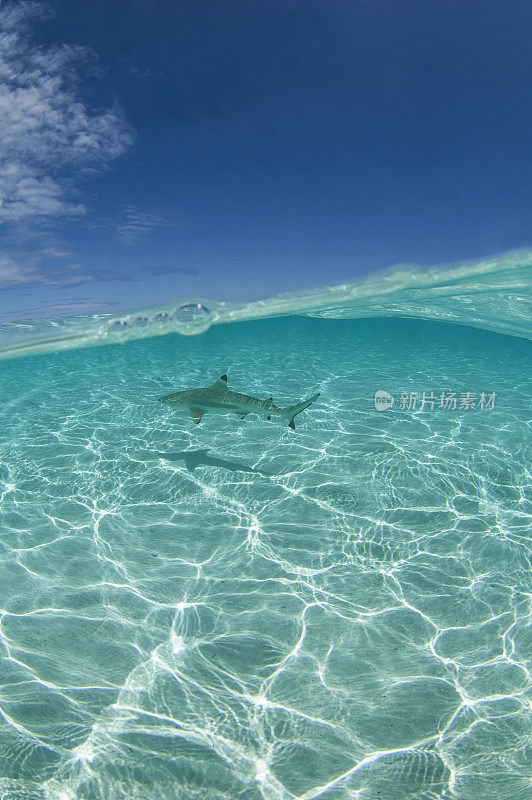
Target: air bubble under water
x=189 y=319
x=192 y=318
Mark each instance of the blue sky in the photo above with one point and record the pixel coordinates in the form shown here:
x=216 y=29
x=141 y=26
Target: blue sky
x=160 y=149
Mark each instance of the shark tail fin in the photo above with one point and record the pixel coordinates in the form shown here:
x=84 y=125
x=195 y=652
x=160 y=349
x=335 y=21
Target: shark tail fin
x=292 y=411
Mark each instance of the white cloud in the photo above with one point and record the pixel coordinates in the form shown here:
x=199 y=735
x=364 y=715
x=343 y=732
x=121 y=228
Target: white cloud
x=46 y=130
x=12 y=273
x=27 y=270
x=131 y=224
x=135 y=224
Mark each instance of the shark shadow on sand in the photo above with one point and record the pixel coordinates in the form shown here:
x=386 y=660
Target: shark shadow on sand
x=201 y=458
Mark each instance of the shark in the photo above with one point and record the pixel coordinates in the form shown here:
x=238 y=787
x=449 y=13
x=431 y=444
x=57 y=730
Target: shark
x=219 y=399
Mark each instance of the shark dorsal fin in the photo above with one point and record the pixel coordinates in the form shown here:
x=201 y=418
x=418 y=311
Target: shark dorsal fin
x=221 y=383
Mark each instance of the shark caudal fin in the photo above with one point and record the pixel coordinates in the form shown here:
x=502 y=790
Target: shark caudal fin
x=292 y=411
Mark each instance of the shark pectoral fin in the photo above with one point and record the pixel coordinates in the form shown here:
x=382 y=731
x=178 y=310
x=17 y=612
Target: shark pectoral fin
x=196 y=414
x=241 y=415
x=292 y=424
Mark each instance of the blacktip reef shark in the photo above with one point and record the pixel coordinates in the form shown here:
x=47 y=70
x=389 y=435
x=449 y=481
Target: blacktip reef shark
x=218 y=399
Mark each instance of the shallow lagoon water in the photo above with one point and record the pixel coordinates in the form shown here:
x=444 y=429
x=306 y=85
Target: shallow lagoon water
x=239 y=610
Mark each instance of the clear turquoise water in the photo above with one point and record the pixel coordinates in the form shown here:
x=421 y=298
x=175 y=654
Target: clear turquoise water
x=239 y=610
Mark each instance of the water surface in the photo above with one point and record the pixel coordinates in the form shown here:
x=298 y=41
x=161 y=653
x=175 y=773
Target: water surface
x=239 y=610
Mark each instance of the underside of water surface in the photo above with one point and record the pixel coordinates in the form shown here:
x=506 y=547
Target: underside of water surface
x=492 y=294
x=236 y=609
